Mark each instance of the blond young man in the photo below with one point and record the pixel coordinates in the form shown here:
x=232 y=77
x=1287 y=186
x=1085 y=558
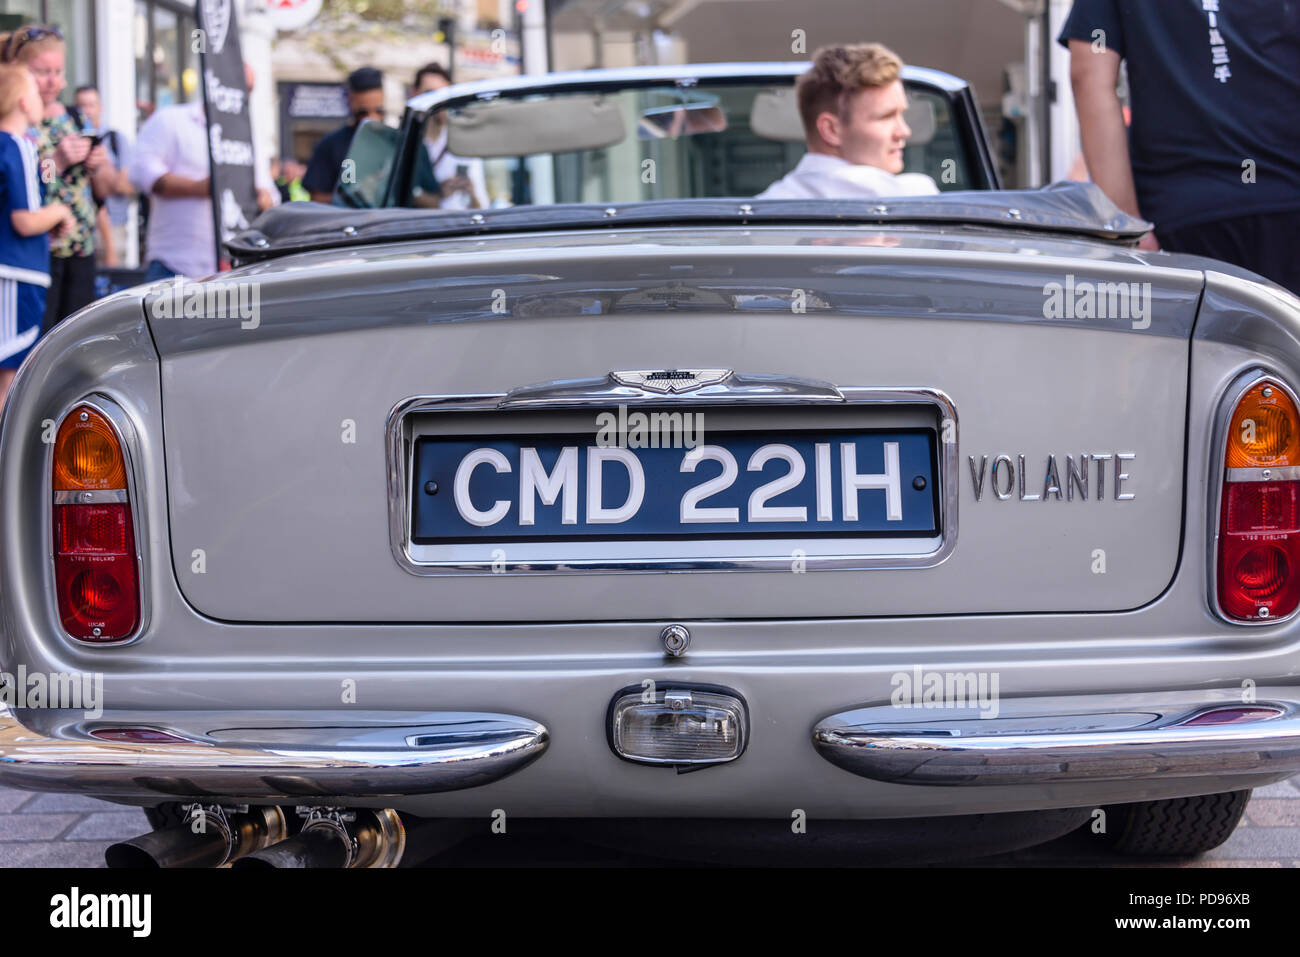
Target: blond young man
x=852 y=103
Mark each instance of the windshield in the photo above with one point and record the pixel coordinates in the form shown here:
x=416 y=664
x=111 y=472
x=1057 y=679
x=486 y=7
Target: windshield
x=648 y=143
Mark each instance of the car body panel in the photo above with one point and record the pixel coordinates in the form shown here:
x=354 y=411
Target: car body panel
x=295 y=547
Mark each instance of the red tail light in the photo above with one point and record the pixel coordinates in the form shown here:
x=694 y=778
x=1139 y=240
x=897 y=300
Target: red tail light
x=95 y=571
x=1220 y=716
x=1258 y=575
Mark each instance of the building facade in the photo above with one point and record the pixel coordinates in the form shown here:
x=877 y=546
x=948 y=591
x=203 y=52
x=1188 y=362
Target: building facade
x=142 y=55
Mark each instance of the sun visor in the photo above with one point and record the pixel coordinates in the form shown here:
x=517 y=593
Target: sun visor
x=775 y=116
x=558 y=124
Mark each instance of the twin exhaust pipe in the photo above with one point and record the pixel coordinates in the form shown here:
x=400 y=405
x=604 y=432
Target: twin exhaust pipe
x=334 y=838
x=258 y=837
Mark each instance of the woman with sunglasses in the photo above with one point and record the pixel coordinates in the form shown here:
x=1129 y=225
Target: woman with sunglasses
x=67 y=163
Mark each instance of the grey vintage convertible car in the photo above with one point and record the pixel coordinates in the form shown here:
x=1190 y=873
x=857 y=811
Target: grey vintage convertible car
x=956 y=513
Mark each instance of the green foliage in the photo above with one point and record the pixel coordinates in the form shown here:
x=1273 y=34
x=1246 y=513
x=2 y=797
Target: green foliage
x=347 y=26
x=385 y=11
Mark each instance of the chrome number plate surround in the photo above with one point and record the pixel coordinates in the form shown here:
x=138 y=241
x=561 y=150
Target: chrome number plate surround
x=641 y=556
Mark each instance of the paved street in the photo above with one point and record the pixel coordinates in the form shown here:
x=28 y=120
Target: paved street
x=55 y=830
x=61 y=830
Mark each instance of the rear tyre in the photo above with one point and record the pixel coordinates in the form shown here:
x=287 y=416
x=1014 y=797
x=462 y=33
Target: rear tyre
x=1177 y=827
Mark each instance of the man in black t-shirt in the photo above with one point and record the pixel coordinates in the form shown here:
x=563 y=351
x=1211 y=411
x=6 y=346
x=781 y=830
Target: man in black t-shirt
x=365 y=102
x=1213 y=154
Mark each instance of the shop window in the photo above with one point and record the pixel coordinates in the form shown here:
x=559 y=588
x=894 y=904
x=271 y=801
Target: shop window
x=165 y=58
x=73 y=18
x=14 y=13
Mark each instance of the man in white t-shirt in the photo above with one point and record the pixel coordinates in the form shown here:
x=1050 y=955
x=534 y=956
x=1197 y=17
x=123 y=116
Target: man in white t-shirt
x=461 y=180
x=171 y=165
x=852 y=103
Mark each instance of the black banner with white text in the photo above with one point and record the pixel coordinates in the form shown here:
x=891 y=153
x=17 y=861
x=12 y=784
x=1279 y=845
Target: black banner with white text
x=229 y=127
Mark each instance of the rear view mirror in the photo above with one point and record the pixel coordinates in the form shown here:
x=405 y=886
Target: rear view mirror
x=684 y=118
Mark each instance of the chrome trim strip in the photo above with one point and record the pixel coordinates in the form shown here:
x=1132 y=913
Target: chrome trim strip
x=467 y=750
x=95 y=497
x=595 y=557
x=971 y=751
x=1219 y=447
x=1288 y=473
x=609 y=392
x=124 y=425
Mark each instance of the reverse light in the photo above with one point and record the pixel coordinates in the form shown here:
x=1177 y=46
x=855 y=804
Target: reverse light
x=1258 y=573
x=678 y=726
x=95 y=569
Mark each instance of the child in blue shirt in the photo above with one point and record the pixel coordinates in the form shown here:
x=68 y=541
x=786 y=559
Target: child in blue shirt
x=24 y=223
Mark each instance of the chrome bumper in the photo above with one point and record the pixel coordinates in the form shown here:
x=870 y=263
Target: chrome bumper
x=1078 y=743
x=285 y=760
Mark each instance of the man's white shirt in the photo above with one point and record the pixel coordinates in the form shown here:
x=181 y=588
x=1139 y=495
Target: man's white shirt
x=175 y=140
x=444 y=168
x=821 y=176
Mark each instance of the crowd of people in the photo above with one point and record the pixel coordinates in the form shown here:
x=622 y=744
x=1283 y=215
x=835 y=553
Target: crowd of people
x=66 y=185
x=444 y=180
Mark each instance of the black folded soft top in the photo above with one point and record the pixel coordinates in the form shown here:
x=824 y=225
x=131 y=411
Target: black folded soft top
x=1068 y=208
